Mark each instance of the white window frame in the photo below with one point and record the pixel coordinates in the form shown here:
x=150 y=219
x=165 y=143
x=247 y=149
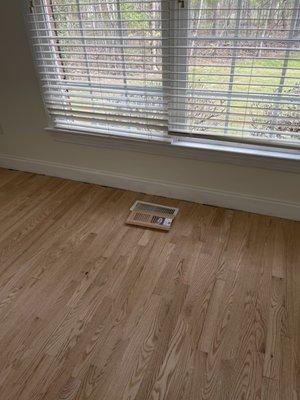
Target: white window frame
x=209 y=148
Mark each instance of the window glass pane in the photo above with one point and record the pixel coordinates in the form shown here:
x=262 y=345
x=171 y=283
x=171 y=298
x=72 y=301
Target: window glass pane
x=243 y=75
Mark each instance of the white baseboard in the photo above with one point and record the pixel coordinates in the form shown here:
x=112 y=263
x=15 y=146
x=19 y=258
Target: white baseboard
x=238 y=201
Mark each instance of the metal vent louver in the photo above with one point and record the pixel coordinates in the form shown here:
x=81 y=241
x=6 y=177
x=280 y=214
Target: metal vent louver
x=139 y=217
x=152 y=208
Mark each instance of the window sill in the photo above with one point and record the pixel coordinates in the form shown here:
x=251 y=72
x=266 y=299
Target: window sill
x=211 y=151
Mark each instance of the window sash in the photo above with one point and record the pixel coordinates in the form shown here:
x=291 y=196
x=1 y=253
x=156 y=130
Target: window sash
x=137 y=105
x=245 y=113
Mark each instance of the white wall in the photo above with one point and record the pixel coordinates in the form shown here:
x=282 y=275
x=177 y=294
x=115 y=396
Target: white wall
x=22 y=118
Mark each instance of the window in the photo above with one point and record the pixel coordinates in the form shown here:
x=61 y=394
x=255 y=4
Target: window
x=216 y=69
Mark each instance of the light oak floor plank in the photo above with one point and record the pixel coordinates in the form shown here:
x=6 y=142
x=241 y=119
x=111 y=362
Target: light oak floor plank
x=93 y=309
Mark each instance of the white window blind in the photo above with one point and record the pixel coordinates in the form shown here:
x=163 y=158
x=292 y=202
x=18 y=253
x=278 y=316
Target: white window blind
x=216 y=69
x=100 y=64
x=242 y=79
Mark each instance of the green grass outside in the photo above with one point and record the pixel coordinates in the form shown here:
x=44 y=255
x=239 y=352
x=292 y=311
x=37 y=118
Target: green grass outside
x=269 y=72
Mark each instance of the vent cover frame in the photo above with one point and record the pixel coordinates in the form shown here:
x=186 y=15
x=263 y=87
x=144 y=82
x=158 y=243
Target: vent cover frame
x=152 y=215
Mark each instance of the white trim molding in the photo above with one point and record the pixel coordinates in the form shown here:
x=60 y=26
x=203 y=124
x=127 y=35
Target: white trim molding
x=206 y=150
x=204 y=195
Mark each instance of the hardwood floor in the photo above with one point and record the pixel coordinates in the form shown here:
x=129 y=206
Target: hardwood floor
x=91 y=308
